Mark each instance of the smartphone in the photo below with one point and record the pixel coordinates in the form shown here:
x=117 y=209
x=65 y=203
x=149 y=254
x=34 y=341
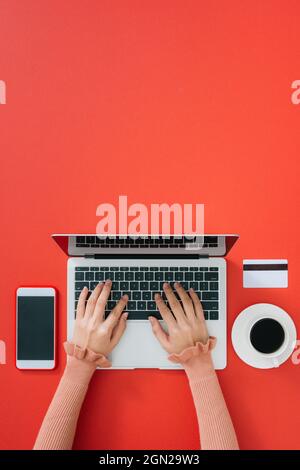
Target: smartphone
x=35 y=327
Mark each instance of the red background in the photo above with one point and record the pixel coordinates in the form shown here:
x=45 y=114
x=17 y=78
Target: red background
x=164 y=101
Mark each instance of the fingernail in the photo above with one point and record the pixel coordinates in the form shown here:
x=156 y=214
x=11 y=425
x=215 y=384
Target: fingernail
x=125 y=315
x=166 y=284
x=85 y=288
x=191 y=289
x=125 y=297
x=108 y=281
x=150 y=319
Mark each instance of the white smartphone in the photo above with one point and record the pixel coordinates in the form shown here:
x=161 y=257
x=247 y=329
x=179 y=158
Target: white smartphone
x=35 y=327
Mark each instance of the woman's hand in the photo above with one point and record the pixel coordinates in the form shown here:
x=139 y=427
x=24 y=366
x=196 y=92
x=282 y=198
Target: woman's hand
x=185 y=322
x=92 y=330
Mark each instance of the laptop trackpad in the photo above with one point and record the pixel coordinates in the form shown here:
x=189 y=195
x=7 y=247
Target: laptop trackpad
x=139 y=347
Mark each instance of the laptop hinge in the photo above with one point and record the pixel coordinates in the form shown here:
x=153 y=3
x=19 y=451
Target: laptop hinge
x=146 y=256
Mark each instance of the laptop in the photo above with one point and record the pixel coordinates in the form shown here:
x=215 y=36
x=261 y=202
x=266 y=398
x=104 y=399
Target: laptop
x=138 y=265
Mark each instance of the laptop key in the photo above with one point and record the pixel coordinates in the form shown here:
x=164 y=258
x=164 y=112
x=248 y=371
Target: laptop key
x=93 y=285
x=144 y=285
x=142 y=315
x=139 y=276
x=136 y=295
x=149 y=276
x=206 y=314
x=129 y=276
x=159 y=276
x=141 y=305
x=131 y=305
x=207 y=305
x=134 y=285
x=119 y=276
x=214 y=315
x=151 y=305
x=80 y=285
x=212 y=276
x=154 y=286
x=99 y=276
x=178 y=276
x=188 y=276
x=203 y=286
x=146 y=295
x=214 y=286
x=116 y=295
x=89 y=276
x=124 y=285
x=110 y=275
x=81 y=268
x=199 y=276
x=169 y=276
x=210 y=295
x=194 y=285
x=79 y=276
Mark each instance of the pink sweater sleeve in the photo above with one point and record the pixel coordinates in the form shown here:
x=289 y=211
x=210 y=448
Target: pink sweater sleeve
x=215 y=425
x=59 y=425
x=58 y=428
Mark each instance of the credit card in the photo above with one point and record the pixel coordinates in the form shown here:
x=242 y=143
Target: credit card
x=265 y=273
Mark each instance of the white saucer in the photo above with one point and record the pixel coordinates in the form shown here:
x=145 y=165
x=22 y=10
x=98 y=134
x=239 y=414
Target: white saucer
x=241 y=332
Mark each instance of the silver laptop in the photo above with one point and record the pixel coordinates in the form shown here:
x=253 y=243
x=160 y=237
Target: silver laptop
x=138 y=266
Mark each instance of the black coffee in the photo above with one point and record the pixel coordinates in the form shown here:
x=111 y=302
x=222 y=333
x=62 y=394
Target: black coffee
x=267 y=335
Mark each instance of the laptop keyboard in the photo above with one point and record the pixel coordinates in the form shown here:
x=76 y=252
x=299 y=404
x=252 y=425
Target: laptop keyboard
x=176 y=241
x=141 y=283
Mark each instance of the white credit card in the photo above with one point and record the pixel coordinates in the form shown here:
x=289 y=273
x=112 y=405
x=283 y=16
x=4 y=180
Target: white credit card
x=265 y=273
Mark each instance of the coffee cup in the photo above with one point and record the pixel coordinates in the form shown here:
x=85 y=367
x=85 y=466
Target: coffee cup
x=269 y=337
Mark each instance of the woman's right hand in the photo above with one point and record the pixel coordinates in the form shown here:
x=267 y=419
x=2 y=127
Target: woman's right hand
x=185 y=321
x=92 y=330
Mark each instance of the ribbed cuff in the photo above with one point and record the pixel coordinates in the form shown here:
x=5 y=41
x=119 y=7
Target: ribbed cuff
x=78 y=371
x=196 y=359
x=199 y=367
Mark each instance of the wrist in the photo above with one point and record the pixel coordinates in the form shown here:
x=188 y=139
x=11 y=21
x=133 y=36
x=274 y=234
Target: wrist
x=196 y=360
x=79 y=371
x=198 y=367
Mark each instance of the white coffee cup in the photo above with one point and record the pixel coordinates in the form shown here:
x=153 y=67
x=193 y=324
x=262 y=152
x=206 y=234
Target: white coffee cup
x=243 y=345
x=275 y=354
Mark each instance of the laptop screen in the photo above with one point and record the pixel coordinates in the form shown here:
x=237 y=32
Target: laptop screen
x=92 y=244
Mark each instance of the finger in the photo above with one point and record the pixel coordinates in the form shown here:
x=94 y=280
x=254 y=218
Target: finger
x=81 y=303
x=114 y=316
x=174 y=303
x=197 y=304
x=160 y=334
x=99 y=309
x=119 y=330
x=91 y=303
x=164 y=311
x=186 y=301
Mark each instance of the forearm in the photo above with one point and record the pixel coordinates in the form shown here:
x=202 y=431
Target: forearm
x=59 y=426
x=215 y=425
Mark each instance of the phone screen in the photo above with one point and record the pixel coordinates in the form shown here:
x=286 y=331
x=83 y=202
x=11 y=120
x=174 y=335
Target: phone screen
x=35 y=328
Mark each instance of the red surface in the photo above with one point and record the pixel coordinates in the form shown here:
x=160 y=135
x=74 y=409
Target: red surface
x=168 y=101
